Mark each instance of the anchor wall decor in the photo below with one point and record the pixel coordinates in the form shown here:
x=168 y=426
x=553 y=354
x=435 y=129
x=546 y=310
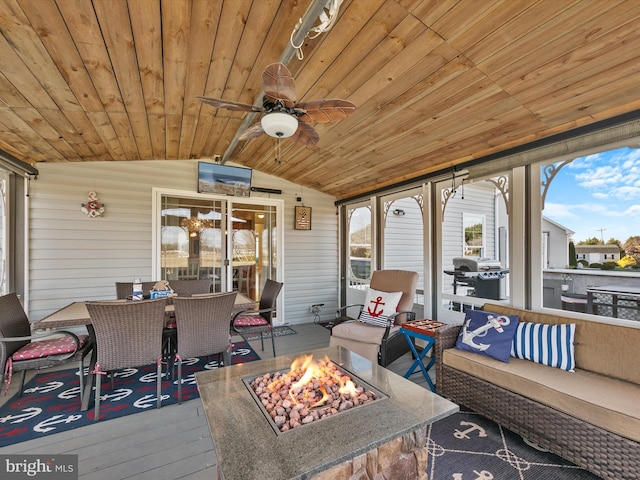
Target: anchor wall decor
x=92 y=208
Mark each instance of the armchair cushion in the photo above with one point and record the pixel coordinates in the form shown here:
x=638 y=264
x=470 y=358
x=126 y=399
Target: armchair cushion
x=46 y=348
x=379 y=307
x=488 y=334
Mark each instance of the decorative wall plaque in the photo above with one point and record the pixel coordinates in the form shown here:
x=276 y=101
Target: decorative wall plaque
x=302 y=218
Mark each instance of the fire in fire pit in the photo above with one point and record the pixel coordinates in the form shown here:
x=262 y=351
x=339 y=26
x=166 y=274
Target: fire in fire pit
x=309 y=391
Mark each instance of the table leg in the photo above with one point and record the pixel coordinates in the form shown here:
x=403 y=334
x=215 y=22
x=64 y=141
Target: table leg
x=88 y=384
x=418 y=362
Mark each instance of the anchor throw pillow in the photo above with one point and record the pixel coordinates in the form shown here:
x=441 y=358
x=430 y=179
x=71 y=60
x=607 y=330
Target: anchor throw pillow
x=379 y=306
x=488 y=333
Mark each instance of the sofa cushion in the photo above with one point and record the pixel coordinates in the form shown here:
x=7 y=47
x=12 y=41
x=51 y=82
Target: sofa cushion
x=550 y=345
x=488 y=334
x=379 y=306
x=603 y=401
x=599 y=347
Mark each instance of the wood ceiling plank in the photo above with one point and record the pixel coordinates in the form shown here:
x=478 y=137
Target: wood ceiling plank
x=86 y=134
x=20 y=76
x=121 y=125
x=23 y=136
x=34 y=120
x=176 y=30
x=147 y=30
x=10 y=96
x=104 y=126
x=52 y=31
x=83 y=26
x=114 y=20
x=229 y=28
x=581 y=65
x=157 y=127
x=428 y=11
x=67 y=131
x=543 y=46
x=345 y=37
x=28 y=47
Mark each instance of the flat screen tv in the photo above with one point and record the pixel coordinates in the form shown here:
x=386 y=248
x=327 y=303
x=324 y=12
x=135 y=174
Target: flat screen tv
x=224 y=179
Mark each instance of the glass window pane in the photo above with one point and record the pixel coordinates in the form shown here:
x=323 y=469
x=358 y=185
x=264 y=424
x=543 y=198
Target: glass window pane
x=360 y=242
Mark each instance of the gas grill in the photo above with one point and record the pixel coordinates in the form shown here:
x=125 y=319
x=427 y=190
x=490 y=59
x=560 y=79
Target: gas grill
x=482 y=274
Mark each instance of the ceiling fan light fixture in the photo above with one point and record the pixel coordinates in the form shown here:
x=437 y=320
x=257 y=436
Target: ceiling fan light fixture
x=279 y=125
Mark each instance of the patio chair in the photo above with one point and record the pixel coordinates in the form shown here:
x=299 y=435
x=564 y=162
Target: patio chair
x=260 y=321
x=124 y=290
x=127 y=335
x=203 y=328
x=21 y=351
x=378 y=338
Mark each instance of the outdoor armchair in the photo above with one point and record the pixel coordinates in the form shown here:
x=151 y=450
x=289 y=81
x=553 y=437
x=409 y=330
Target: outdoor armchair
x=203 y=328
x=21 y=351
x=260 y=321
x=128 y=334
x=378 y=338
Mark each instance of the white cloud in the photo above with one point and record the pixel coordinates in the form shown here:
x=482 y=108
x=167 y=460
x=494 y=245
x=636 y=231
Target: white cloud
x=557 y=211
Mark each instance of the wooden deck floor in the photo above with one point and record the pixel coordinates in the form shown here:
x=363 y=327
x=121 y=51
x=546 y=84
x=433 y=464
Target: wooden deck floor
x=170 y=443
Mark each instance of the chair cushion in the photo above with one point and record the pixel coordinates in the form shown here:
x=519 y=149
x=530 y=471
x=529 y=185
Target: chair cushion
x=550 y=345
x=250 y=320
x=379 y=306
x=488 y=334
x=46 y=348
x=171 y=323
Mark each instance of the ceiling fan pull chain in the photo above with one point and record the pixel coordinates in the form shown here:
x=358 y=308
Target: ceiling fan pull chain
x=278 y=152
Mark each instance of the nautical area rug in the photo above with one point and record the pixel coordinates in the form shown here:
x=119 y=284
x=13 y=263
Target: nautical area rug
x=51 y=400
x=278 y=332
x=468 y=446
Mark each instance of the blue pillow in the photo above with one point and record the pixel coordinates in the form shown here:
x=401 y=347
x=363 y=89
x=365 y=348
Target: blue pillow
x=488 y=333
x=550 y=345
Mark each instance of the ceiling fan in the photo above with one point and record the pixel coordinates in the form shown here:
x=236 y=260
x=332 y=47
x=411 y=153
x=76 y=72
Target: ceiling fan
x=283 y=116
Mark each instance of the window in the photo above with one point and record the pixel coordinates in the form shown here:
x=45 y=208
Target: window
x=473 y=235
x=592 y=202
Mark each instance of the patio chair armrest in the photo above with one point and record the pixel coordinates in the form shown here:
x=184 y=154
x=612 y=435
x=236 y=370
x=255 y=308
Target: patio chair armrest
x=48 y=335
x=341 y=313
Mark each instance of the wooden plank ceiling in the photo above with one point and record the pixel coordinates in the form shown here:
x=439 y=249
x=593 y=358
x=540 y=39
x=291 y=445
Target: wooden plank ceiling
x=437 y=82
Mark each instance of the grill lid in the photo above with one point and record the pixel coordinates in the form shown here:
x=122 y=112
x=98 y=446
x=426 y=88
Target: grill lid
x=475 y=264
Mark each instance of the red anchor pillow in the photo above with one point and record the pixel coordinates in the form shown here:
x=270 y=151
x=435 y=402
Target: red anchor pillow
x=488 y=333
x=379 y=306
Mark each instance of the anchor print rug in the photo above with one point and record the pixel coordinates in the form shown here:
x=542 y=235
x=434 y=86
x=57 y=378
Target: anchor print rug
x=467 y=446
x=51 y=400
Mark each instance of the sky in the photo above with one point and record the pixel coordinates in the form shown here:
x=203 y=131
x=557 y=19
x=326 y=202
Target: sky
x=600 y=191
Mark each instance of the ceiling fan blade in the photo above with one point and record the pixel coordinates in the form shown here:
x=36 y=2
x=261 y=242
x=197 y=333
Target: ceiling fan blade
x=306 y=134
x=324 y=111
x=230 y=104
x=278 y=84
x=252 y=132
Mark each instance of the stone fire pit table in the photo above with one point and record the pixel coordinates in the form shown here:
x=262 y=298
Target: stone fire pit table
x=387 y=435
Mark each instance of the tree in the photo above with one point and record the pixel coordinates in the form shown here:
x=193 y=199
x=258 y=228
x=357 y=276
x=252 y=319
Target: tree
x=573 y=261
x=632 y=247
x=591 y=241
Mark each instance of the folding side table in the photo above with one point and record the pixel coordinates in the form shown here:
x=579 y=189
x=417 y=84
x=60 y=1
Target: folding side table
x=424 y=330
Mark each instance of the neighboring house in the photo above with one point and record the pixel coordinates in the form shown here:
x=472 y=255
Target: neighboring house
x=598 y=253
x=555 y=244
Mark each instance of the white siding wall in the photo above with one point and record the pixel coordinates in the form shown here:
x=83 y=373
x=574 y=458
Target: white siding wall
x=73 y=257
x=404 y=239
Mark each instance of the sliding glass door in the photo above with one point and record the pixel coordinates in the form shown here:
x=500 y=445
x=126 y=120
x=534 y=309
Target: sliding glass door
x=234 y=243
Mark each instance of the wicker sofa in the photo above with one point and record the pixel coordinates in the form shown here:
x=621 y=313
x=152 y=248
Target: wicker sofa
x=590 y=417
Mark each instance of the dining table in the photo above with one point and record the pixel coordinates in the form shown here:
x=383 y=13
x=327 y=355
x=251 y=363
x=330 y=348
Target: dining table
x=76 y=314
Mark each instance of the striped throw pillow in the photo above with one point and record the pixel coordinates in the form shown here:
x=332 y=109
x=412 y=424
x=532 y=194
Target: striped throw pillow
x=550 y=345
